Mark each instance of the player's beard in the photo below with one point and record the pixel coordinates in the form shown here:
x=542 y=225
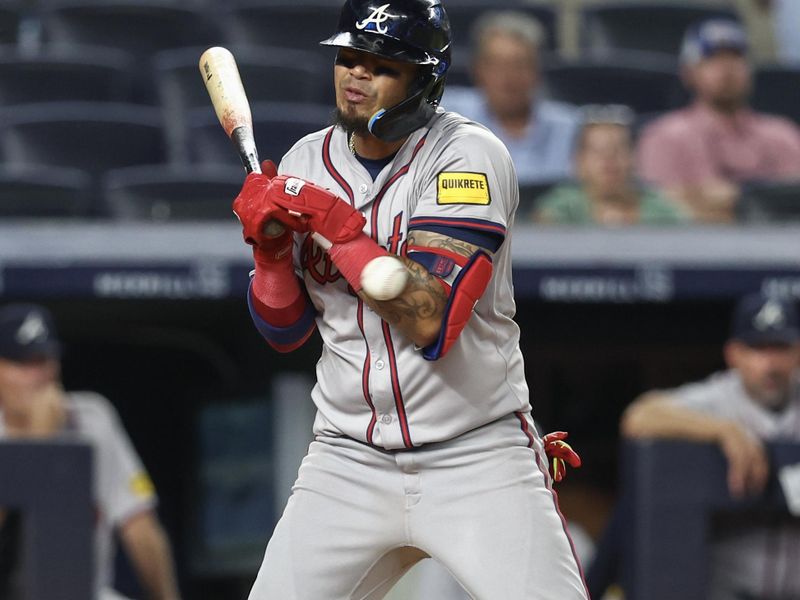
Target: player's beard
x=351 y=123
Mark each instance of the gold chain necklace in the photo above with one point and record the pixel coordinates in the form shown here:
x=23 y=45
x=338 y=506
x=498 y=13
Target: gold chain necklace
x=351 y=143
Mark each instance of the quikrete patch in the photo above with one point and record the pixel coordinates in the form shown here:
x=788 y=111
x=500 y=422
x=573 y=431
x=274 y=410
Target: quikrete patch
x=462 y=188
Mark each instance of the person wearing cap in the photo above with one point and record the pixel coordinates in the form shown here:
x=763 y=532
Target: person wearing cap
x=34 y=406
x=605 y=191
x=703 y=153
x=756 y=399
x=505 y=68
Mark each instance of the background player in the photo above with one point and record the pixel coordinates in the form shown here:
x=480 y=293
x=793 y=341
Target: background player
x=424 y=442
x=33 y=405
x=756 y=399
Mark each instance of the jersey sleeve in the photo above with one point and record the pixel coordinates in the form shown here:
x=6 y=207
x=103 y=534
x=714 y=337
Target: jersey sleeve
x=125 y=487
x=471 y=185
x=709 y=397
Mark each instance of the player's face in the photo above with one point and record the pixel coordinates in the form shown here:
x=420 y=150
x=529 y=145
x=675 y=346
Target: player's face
x=605 y=158
x=507 y=72
x=766 y=371
x=722 y=80
x=20 y=379
x=365 y=83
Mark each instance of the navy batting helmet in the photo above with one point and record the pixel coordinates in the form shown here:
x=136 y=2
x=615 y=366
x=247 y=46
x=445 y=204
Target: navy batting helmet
x=415 y=31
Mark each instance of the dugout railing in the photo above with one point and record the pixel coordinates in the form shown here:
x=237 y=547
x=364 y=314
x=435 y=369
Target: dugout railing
x=672 y=489
x=50 y=484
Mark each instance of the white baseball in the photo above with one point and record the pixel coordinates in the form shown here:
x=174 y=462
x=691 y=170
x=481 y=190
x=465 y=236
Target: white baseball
x=384 y=278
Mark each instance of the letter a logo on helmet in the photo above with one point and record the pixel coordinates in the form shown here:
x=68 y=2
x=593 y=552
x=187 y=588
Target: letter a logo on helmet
x=377 y=18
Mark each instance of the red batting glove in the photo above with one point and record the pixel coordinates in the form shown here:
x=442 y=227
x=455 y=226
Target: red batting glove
x=254 y=210
x=558 y=451
x=318 y=209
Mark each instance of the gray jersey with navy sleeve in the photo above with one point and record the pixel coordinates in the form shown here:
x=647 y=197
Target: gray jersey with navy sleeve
x=373 y=384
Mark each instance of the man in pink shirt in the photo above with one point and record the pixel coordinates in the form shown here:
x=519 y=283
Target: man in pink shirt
x=701 y=154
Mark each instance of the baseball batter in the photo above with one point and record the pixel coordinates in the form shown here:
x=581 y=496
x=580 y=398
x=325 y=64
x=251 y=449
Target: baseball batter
x=424 y=442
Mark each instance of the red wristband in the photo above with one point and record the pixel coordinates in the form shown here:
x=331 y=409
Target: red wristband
x=351 y=257
x=276 y=293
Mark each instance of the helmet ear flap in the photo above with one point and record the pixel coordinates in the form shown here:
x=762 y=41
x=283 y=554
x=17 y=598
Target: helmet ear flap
x=400 y=120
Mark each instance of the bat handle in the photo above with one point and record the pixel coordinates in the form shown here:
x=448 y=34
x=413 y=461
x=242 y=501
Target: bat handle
x=242 y=138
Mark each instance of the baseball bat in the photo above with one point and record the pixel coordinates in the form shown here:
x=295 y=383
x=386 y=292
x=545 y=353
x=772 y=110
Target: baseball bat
x=224 y=85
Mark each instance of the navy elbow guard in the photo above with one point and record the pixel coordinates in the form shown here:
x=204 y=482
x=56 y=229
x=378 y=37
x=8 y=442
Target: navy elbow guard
x=467 y=288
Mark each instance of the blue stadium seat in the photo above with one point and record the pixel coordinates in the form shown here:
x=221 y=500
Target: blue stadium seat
x=10 y=17
x=300 y=25
x=64 y=73
x=268 y=75
x=650 y=26
x=463 y=13
x=168 y=193
x=44 y=191
x=643 y=81
x=277 y=126
x=776 y=90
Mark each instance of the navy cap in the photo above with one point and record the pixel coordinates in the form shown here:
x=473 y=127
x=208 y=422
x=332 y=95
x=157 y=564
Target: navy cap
x=707 y=37
x=27 y=332
x=760 y=320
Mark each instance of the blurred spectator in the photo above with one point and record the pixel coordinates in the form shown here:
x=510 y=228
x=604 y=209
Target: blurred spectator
x=702 y=153
x=756 y=399
x=33 y=406
x=538 y=133
x=606 y=191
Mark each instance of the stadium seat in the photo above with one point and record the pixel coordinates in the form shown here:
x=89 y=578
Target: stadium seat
x=44 y=192
x=776 y=90
x=10 y=18
x=643 y=81
x=300 y=25
x=769 y=201
x=141 y=27
x=268 y=75
x=463 y=14
x=650 y=26
x=529 y=194
x=162 y=193
x=92 y=136
x=277 y=126
x=72 y=73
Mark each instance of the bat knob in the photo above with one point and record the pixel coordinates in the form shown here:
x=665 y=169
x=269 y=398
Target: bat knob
x=274 y=229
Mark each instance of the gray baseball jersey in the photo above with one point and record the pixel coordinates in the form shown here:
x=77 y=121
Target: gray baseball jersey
x=121 y=487
x=415 y=458
x=373 y=385
x=759 y=560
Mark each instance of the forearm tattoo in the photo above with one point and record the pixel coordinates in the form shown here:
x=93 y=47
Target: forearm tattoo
x=423 y=301
x=424 y=298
